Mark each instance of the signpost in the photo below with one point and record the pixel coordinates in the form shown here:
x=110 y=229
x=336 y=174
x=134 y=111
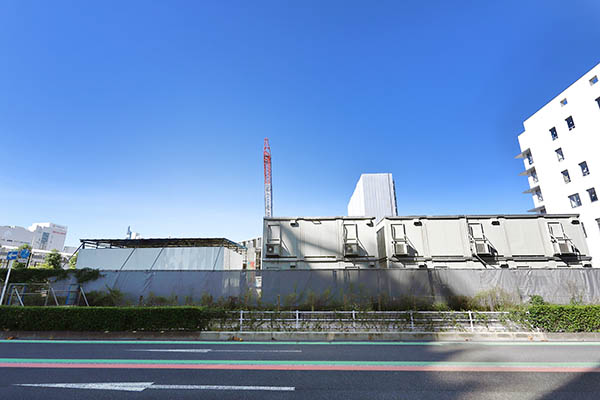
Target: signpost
x=11 y=257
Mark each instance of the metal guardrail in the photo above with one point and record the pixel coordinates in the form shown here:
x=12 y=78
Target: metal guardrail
x=371 y=321
x=45 y=294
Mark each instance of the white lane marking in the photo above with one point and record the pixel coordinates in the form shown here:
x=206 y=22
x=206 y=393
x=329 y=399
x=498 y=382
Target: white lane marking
x=217 y=350
x=221 y=387
x=141 y=386
x=123 y=386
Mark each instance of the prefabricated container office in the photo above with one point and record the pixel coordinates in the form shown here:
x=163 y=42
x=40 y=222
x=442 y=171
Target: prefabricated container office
x=459 y=241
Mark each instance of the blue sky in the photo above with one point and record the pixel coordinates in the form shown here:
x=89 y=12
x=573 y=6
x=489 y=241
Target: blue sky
x=153 y=114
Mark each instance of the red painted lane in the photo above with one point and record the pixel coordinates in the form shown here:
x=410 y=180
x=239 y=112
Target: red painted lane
x=290 y=367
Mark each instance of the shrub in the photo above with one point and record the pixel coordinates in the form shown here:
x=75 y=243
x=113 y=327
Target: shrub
x=536 y=300
x=107 y=318
x=565 y=318
x=110 y=298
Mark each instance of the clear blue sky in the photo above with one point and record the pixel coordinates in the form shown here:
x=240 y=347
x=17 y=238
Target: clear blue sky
x=153 y=114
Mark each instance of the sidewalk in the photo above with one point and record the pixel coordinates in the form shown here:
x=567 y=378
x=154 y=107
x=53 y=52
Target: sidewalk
x=307 y=336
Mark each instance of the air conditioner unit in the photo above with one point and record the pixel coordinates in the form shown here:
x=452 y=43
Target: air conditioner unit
x=400 y=248
x=483 y=248
x=350 y=249
x=564 y=248
x=272 y=250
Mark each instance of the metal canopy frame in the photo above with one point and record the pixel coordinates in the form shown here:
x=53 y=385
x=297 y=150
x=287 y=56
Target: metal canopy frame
x=161 y=243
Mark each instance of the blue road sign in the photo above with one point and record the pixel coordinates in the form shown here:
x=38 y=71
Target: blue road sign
x=24 y=253
x=12 y=255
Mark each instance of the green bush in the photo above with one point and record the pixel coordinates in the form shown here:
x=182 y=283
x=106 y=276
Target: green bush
x=565 y=318
x=110 y=298
x=44 y=272
x=107 y=318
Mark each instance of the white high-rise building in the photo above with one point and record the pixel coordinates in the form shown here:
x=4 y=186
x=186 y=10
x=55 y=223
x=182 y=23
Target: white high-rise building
x=41 y=236
x=560 y=148
x=374 y=196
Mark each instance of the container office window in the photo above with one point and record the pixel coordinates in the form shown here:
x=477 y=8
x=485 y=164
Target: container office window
x=594 y=80
x=593 y=195
x=570 y=123
x=563 y=102
x=559 y=154
x=398 y=232
x=575 y=200
x=274 y=234
x=566 y=176
x=553 y=133
x=350 y=233
x=476 y=231
x=584 y=168
x=556 y=230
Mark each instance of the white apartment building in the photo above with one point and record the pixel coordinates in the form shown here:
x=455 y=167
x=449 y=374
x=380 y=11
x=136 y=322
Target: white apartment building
x=560 y=148
x=41 y=236
x=374 y=196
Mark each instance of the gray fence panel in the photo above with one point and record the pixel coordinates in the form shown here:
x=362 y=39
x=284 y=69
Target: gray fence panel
x=334 y=287
x=186 y=286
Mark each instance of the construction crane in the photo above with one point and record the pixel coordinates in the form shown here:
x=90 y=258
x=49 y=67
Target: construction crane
x=268 y=188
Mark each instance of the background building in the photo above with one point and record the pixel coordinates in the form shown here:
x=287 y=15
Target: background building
x=41 y=236
x=560 y=147
x=374 y=196
x=252 y=253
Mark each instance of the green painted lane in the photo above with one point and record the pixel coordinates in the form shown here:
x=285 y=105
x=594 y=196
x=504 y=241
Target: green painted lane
x=300 y=362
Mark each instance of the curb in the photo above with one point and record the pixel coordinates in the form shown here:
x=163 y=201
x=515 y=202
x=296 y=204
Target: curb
x=307 y=336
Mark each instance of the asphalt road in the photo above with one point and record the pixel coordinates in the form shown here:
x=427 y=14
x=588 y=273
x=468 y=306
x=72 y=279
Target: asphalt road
x=306 y=370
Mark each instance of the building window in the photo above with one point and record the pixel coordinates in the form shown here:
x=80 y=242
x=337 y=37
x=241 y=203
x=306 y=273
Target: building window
x=570 y=123
x=593 y=195
x=559 y=154
x=563 y=102
x=553 y=133
x=594 y=80
x=566 y=176
x=538 y=194
x=598 y=101
x=543 y=210
x=584 y=168
x=529 y=158
x=575 y=200
x=534 y=176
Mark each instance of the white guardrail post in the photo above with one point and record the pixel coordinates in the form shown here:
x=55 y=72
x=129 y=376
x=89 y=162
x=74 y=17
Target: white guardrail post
x=297 y=320
x=354 y=320
x=241 y=319
x=471 y=321
x=412 y=321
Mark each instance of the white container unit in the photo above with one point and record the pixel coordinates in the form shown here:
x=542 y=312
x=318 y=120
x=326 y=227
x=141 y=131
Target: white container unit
x=319 y=242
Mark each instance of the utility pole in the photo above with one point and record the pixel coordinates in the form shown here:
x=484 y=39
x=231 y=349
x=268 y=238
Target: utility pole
x=268 y=180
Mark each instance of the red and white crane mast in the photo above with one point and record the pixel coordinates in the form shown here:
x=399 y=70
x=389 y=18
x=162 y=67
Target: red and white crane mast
x=268 y=180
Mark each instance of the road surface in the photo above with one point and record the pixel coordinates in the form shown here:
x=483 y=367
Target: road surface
x=51 y=370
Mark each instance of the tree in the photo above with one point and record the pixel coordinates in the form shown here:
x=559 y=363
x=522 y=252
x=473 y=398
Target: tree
x=73 y=261
x=54 y=259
